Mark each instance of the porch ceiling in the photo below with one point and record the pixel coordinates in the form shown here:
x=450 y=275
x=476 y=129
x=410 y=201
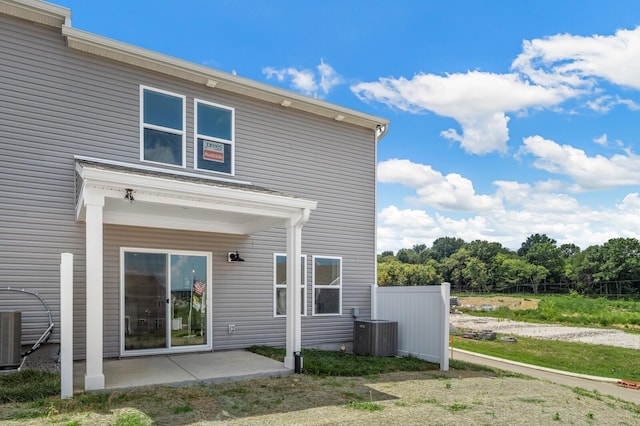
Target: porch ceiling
x=182 y=201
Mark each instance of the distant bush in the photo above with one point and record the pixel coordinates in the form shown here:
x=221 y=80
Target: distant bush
x=548 y=310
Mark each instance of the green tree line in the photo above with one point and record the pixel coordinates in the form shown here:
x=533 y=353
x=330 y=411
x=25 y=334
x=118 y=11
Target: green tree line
x=539 y=265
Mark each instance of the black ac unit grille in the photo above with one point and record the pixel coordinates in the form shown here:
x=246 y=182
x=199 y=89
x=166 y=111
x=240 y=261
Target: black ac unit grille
x=375 y=337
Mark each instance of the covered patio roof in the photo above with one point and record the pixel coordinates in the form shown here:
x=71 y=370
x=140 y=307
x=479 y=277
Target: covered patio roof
x=181 y=201
x=133 y=195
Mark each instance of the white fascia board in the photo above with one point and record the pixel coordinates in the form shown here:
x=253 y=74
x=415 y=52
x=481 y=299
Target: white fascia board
x=260 y=217
x=189 y=190
x=214 y=79
x=36 y=11
x=181 y=199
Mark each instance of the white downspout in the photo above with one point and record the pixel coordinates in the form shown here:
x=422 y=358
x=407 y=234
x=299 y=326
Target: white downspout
x=374 y=287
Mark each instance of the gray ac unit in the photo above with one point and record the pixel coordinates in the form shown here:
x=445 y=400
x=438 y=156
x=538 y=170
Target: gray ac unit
x=375 y=337
x=10 y=337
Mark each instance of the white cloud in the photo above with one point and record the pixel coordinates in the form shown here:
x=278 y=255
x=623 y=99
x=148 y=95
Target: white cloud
x=404 y=228
x=589 y=173
x=581 y=225
x=578 y=61
x=301 y=80
x=479 y=101
x=540 y=198
x=481 y=135
x=604 y=104
x=516 y=209
x=328 y=77
x=602 y=140
x=629 y=220
x=307 y=81
x=548 y=72
x=629 y=104
x=450 y=192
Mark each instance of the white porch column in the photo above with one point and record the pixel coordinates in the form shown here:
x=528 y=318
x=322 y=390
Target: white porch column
x=294 y=278
x=94 y=377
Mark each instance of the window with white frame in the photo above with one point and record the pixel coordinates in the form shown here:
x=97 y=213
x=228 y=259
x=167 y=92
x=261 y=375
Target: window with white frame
x=214 y=137
x=280 y=285
x=327 y=285
x=162 y=127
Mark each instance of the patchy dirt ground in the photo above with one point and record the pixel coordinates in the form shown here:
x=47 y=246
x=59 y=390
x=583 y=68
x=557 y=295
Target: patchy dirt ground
x=427 y=398
x=596 y=336
x=509 y=302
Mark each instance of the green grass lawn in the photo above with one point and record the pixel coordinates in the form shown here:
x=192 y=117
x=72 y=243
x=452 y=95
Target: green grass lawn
x=583 y=358
x=330 y=363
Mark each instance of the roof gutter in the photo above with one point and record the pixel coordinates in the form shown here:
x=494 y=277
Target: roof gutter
x=37 y=11
x=214 y=79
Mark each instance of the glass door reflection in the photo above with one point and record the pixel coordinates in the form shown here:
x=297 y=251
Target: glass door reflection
x=145 y=293
x=188 y=300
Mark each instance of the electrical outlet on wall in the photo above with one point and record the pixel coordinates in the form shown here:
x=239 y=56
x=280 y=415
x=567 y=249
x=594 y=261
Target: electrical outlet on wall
x=232 y=328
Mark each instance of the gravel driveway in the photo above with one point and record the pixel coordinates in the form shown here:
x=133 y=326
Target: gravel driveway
x=547 y=331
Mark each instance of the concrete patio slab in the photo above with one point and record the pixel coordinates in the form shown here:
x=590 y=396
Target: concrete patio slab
x=228 y=365
x=181 y=369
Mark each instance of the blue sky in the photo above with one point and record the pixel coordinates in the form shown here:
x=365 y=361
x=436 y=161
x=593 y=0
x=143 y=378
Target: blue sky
x=508 y=118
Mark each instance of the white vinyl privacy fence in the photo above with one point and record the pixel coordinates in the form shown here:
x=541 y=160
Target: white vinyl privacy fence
x=422 y=314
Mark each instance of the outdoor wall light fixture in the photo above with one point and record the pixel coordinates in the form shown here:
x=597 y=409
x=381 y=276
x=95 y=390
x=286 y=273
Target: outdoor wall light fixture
x=129 y=196
x=234 y=257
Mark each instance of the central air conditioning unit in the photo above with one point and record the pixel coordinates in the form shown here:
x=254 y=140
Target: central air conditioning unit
x=375 y=337
x=10 y=337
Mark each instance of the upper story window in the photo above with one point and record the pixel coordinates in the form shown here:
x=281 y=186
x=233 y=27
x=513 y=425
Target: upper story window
x=214 y=137
x=162 y=127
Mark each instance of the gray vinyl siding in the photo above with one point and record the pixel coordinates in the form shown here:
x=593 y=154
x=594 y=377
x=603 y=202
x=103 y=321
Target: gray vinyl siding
x=56 y=103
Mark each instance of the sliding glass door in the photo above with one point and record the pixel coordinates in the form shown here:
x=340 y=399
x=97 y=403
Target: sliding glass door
x=165 y=301
x=188 y=300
